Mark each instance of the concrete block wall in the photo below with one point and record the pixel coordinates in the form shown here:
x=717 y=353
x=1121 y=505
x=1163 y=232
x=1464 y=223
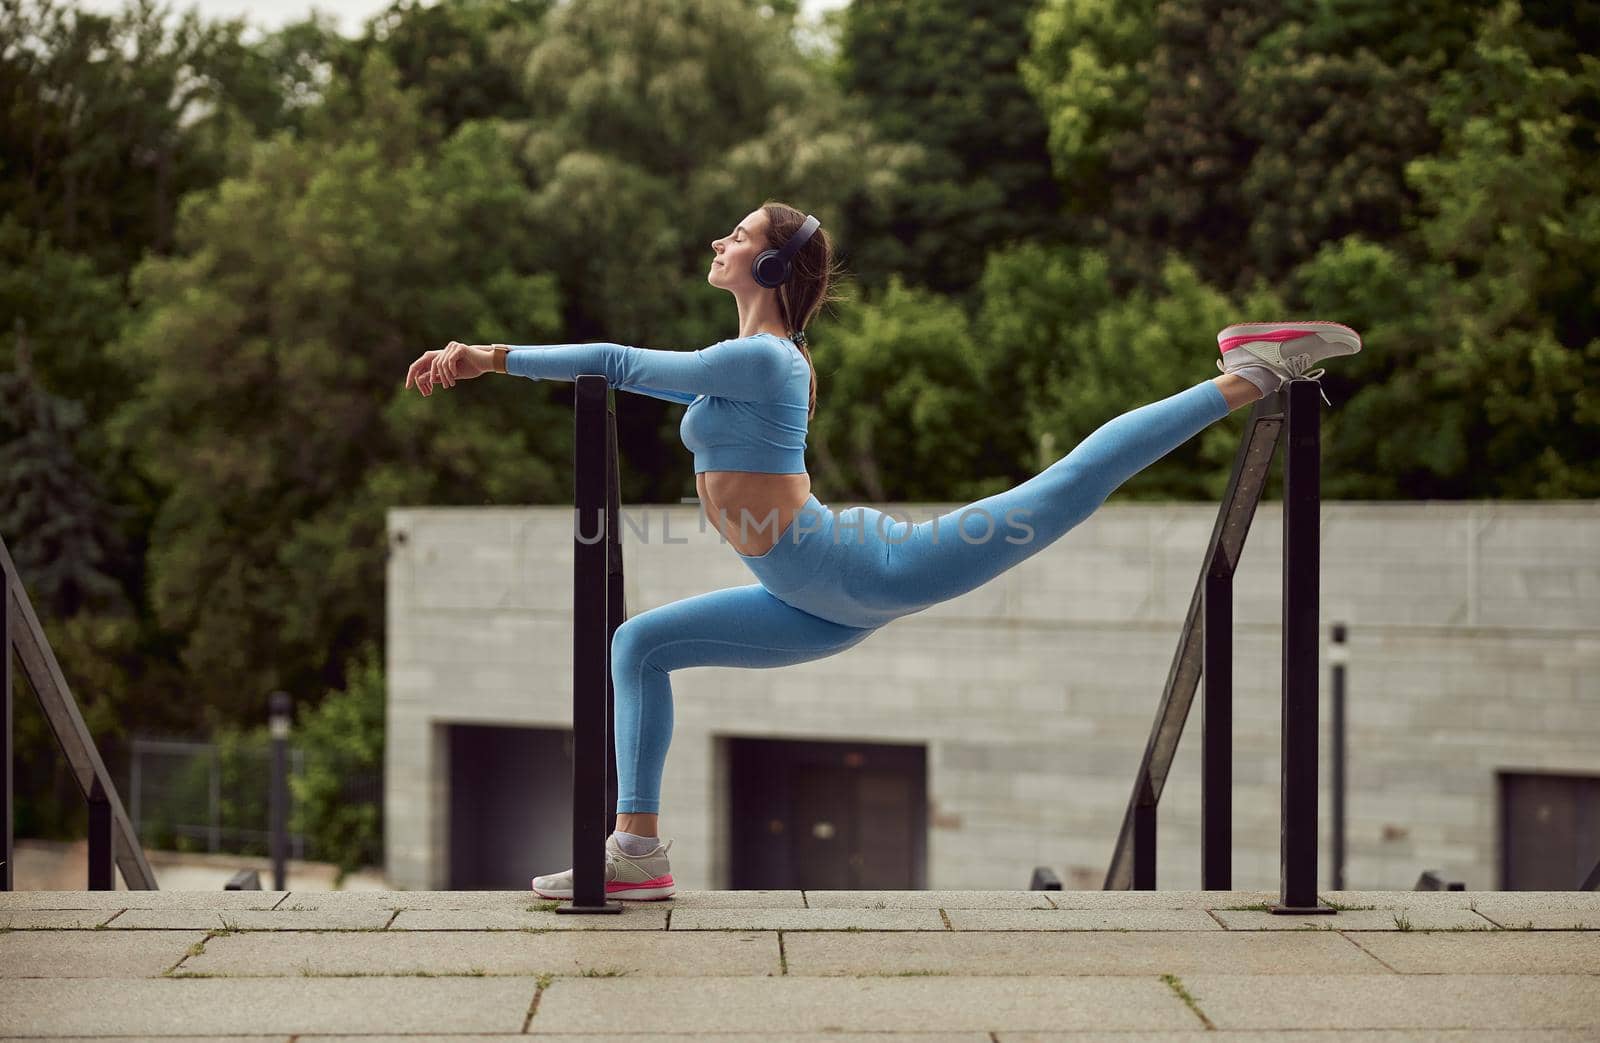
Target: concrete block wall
x=1474 y=648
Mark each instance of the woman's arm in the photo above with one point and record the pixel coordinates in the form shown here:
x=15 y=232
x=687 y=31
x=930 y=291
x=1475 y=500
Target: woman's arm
x=750 y=369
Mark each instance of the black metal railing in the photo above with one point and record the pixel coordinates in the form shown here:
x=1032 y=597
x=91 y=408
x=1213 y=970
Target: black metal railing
x=111 y=836
x=597 y=610
x=1291 y=416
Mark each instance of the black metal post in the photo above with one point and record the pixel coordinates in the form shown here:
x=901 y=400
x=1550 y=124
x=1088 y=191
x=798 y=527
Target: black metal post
x=1338 y=655
x=1144 y=837
x=279 y=714
x=591 y=667
x=100 y=839
x=7 y=781
x=1216 y=730
x=1302 y=559
x=616 y=605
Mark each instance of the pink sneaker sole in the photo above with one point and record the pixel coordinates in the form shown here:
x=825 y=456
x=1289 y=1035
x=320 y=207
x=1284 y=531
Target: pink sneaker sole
x=646 y=891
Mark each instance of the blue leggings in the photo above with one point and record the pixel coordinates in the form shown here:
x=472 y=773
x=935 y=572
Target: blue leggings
x=832 y=579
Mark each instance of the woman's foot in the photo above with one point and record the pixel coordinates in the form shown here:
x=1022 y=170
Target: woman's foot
x=1269 y=353
x=632 y=877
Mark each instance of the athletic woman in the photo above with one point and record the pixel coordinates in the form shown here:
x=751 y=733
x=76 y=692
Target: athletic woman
x=826 y=580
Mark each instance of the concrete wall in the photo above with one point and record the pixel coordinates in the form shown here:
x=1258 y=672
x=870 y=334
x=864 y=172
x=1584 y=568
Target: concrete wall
x=1474 y=648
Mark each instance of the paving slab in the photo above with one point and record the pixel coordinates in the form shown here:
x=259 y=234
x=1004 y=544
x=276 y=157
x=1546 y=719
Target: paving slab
x=1418 y=919
x=1530 y=900
x=1158 y=899
x=92 y=954
x=1419 y=1001
x=635 y=916
x=1310 y=1036
x=1407 y=899
x=807 y=920
x=737 y=900
x=1193 y=1036
x=798 y=1005
x=1082 y=920
x=217 y=1006
x=653 y=954
x=1054 y=953
x=161 y=1039
x=1551 y=920
x=695 y=1037
x=140 y=899
x=1553 y=914
x=391 y=900
x=1501 y=952
x=55 y=919
x=252 y=920
x=928 y=900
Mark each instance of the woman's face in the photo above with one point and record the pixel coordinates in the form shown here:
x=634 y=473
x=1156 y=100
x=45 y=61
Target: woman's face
x=736 y=250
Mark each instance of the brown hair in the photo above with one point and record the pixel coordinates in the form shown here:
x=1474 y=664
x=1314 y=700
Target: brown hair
x=812 y=277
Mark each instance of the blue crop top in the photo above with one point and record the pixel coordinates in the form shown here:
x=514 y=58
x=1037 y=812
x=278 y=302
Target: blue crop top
x=747 y=397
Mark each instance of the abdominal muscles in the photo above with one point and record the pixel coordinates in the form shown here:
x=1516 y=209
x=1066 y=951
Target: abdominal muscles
x=762 y=505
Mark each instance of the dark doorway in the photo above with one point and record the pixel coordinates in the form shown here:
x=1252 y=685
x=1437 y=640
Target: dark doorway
x=826 y=815
x=1549 y=830
x=510 y=805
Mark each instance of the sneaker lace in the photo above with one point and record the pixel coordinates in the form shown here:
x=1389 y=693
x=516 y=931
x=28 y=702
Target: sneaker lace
x=1296 y=364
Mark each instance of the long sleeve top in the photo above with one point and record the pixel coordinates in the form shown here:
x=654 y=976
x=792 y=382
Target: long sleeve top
x=747 y=397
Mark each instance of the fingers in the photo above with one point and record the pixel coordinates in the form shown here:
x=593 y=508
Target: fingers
x=440 y=367
x=444 y=365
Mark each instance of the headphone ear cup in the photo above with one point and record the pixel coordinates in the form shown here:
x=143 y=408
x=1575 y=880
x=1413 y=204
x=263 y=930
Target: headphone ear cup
x=769 y=269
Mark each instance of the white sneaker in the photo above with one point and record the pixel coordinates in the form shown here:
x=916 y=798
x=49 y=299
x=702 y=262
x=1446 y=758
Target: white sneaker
x=1288 y=349
x=644 y=877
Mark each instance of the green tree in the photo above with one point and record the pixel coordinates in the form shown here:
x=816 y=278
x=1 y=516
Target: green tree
x=1482 y=325
x=943 y=76
x=1513 y=210
x=1084 y=67
x=53 y=515
x=273 y=348
x=343 y=739
x=462 y=57
x=1067 y=351
x=906 y=416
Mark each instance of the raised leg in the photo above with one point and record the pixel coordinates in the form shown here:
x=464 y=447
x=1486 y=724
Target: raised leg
x=959 y=551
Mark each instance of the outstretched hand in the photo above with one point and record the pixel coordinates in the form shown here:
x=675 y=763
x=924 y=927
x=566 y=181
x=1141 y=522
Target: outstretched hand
x=455 y=361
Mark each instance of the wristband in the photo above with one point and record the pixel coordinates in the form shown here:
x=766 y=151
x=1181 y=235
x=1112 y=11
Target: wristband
x=499 y=352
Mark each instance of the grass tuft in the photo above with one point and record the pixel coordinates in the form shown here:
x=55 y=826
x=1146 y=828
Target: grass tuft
x=1183 y=994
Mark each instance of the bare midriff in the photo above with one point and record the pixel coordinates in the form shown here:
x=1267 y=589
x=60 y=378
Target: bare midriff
x=751 y=509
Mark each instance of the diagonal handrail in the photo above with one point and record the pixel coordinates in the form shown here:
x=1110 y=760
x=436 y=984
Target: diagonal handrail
x=1251 y=465
x=20 y=629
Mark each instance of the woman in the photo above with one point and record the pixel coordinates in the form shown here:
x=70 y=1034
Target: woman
x=826 y=580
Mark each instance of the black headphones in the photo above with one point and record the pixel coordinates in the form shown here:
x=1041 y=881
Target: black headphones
x=771 y=267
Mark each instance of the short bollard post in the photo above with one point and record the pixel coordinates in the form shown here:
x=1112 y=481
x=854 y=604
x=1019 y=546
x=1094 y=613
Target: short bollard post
x=1338 y=656
x=1144 y=837
x=100 y=839
x=280 y=712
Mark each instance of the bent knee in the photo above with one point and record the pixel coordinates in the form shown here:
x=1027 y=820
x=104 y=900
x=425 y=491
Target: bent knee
x=631 y=645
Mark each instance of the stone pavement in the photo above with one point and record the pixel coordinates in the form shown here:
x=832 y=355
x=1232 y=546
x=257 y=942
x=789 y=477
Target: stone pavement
x=900 y=966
